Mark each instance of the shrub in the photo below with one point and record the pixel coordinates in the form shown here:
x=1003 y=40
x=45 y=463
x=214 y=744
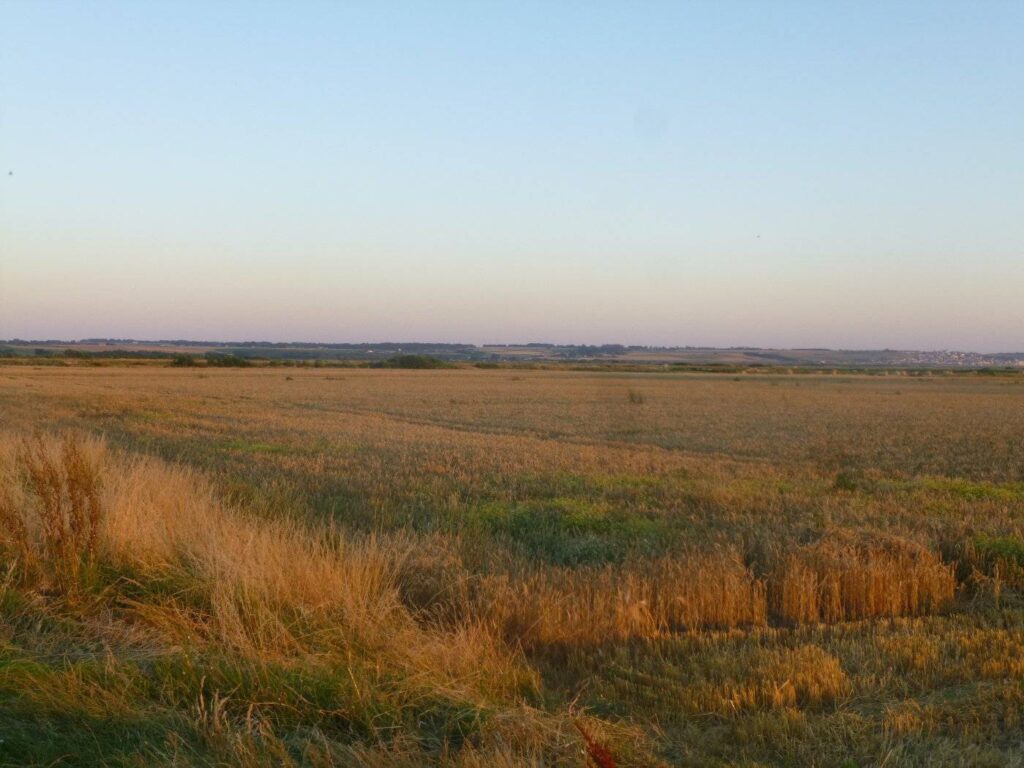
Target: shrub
x=846 y=480
x=227 y=361
x=411 y=361
x=184 y=361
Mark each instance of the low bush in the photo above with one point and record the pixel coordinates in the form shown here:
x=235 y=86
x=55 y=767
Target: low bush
x=227 y=361
x=424 y=362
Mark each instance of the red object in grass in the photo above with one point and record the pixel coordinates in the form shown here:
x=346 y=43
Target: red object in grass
x=601 y=756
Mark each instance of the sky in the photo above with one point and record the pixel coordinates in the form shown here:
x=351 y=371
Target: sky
x=788 y=174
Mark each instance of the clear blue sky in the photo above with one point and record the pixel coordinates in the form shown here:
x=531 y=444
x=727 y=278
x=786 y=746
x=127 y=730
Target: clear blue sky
x=788 y=174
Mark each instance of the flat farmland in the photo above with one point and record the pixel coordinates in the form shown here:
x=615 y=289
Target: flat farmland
x=346 y=566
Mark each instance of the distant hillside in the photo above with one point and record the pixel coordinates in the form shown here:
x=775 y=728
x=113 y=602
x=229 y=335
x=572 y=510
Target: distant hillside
x=531 y=352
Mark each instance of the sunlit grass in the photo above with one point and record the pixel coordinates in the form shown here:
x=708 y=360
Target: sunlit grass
x=296 y=567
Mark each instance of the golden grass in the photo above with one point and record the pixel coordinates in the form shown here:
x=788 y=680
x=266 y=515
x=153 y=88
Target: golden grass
x=51 y=514
x=273 y=591
x=351 y=569
x=835 y=581
x=594 y=606
x=829 y=582
x=784 y=678
x=262 y=577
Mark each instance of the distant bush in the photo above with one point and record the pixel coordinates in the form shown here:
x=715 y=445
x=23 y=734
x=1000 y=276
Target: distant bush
x=846 y=480
x=184 y=361
x=410 y=361
x=227 y=361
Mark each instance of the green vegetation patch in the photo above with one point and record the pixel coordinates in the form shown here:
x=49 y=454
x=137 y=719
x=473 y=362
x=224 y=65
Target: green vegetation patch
x=412 y=362
x=78 y=713
x=975 y=491
x=227 y=361
x=993 y=548
x=573 y=532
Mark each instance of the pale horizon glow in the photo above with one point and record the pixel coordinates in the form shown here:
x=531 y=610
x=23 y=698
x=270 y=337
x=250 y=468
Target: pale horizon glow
x=791 y=174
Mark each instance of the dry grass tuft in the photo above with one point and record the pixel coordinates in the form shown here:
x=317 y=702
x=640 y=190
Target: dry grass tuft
x=271 y=587
x=51 y=508
x=433 y=581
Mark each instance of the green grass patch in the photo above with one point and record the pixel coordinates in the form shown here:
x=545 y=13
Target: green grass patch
x=993 y=548
x=976 y=491
x=571 y=531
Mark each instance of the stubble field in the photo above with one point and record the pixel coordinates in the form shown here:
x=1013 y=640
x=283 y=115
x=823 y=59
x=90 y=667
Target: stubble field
x=469 y=567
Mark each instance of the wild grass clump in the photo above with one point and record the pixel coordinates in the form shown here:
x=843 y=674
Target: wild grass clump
x=51 y=509
x=184 y=361
x=829 y=582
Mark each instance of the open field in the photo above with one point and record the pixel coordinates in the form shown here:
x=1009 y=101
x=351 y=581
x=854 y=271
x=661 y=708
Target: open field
x=491 y=567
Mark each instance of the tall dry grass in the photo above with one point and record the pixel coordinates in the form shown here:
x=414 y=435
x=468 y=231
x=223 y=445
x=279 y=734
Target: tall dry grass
x=828 y=582
x=51 y=508
x=281 y=587
x=268 y=583
x=836 y=580
x=598 y=605
x=186 y=570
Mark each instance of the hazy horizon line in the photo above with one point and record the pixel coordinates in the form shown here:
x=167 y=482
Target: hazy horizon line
x=410 y=342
